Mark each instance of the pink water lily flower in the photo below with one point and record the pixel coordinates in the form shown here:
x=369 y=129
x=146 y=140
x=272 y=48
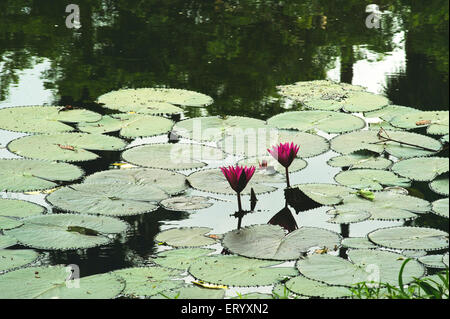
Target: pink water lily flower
x=285 y=155
x=238 y=176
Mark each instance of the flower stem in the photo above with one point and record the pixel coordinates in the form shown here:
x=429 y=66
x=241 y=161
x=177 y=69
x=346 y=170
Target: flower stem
x=240 y=210
x=287 y=178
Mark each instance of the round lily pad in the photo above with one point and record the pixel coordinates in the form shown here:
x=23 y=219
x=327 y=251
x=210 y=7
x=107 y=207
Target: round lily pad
x=325 y=194
x=341 y=215
x=370 y=179
x=389 y=112
x=271 y=242
x=7 y=241
x=43 y=119
x=172 y=156
x=440 y=186
x=20 y=175
x=51 y=283
x=445 y=259
x=186 y=203
x=180 y=258
x=422 y=168
x=19 y=208
x=358 y=243
x=435 y=121
x=362 y=159
x=12 y=259
x=9 y=223
x=213 y=181
x=239 y=271
x=129 y=125
x=312 y=288
x=149 y=281
x=144 y=100
x=375 y=141
x=433 y=261
x=273 y=165
x=67 y=231
x=185 y=237
x=440 y=207
x=330 y=122
x=412 y=238
x=354 y=102
x=191 y=293
x=364 y=265
x=65 y=147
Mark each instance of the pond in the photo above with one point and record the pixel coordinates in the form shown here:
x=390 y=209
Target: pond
x=238 y=62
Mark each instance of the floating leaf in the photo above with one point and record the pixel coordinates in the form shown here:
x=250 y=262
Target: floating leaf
x=65 y=147
x=354 y=102
x=19 y=208
x=186 y=237
x=440 y=207
x=253 y=295
x=43 y=119
x=440 y=186
x=433 y=261
x=325 y=194
x=9 y=223
x=341 y=215
x=51 y=283
x=370 y=140
x=149 y=281
x=239 y=271
x=389 y=112
x=180 y=258
x=192 y=293
x=172 y=156
x=412 y=238
x=271 y=242
x=330 y=122
x=186 y=203
x=18 y=175
x=366 y=265
x=362 y=159
x=358 y=243
x=370 y=179
x=57 y=232
x=12 y=259
x=144 y=100
x=129 y=125
x=7 y=241
x=422 y=168
x=445 y=259
x=212 y=180
x=436 y=121
x=312 y=288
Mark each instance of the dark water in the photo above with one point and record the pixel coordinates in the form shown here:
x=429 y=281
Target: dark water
x=235 y=51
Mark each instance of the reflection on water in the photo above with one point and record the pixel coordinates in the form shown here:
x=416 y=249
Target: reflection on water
x=235 y=51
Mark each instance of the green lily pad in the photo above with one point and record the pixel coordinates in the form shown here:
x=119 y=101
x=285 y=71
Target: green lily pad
x=149 y=281
x=192 y=293
x=354 y=102
x=67 y=231
x=325 y=194
x=172 y=156
x=412 y=238
x=312 y=288
x=435 y=121
x=7 y=241
x=370 y=179
x=239 y=271
x=433 y=261
x=445 y=259
x=186 y=203
x=12 y=259
x=329 y=122
x=254 y=295
x=185 y=237
x=20 y=175
x=65 y=147
x=365 y=265
x=271 y=242
x=389 y=112
x=9 y=223
x=51 y=283
x=213 y=181
x=423 y=169
x=360 y=160
x=440 y=207
x=370 y=140
x=180 y=258
x=358 y=243
x=43 y=119
x=129 y=125
x=341 y=215
x=19 y=208
x=440 y=186
x=144 y=100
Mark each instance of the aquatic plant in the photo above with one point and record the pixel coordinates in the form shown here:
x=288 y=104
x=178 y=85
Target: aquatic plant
x=285 y=155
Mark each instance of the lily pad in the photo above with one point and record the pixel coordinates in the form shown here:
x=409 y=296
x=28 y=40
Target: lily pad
x=370 y=140
x=67 y=231
x=358 y=243
x=325 y=194
x=186 y=203
x=12 y=259
x=312 y=288
x=341 y=215
x=19 y=208
x=149 y=281
x=440 y=207
x=433 y=261
x=329 y=122
x=370 y=179
x=271 y=242
x=180 y=258
x=129 y=125
x=144 y=100
x=360 y=159
x=435 y=121
x=65 y=147
x=9 y=223
x=389 y=112
x=445 y=259
x=7 y=241
x=185 y=237
x=422 y=169
x=354 y=102
x=51 y=283
x=192 y=293
x=365 y=265
x=43 y=119
x=20 y=175
x=172 y=156
x=213 y=181
x=239 y=271
x=440 y=186
x=412 y=238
